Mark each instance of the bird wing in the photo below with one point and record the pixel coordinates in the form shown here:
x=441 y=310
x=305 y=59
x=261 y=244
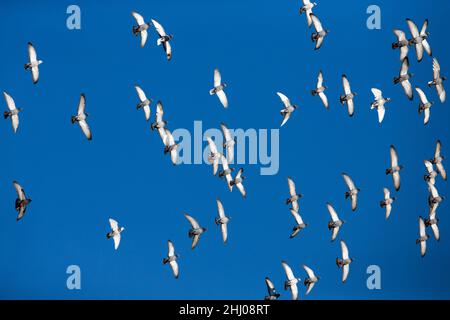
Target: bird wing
x=309 y=272
x=335 y=233
x=345 y=271
x=291 y=185
x=147 y=112
x=159 y=112
x=404 y=67
x=423 y=248
x=344 y=250
x=427 y=47
x=81 y=104
x=32 y=53
x=407 y=87
x=424 y=28
x=116 y=239
x=195 y=241
x=441 y=169
x=19 y=190
x=21 y=213
x=381 y=111
x=310 y=287
x=319 y=43
x=396 y=179
x=224 y=230
x=437 y=152
x=171 y=248
x=433 y=190
x=346 y=85
x=175 y=268
x=35 y=74
x=141 y=93
x=241 y=189
x=351 y=107
x=144 y=36
x=287 y=115
x=441 y=92
x=220 y=209
x=412 y=28
x=159 y=28
x=284 y=99
x=212 y=145
x=435 y=229
x=270 y=286
x=296 y=216
x=114 y=225
x=426 y=116
x=85 y=128
x=400 y=34
x=324 y=99
x=226 y=132
x=387 y=193
x=388 y=210
x=436 y=69
x=223 y=98
x=394 y=157
x=354 y=202
x=288 y=271
x=217 y=78
x=168 y=49
x=15 y=122
x=348 y=181
x=139 y=19
x=174 y=156
x=422 y=95
x=320 y=79
x=404 y=52
x=9 y=101
x=316 y=22
x=419 y=51
x=333 y=213
x=422 y=232
x=192 y=221
x=377 y=93
x=429 y=166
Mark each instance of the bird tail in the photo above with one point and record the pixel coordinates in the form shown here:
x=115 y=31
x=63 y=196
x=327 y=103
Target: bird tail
x=420 y=109
x=73 y=119
x=388 y=171
x=339 y=262
x=232 y=183
x=395 y=45
x=165 y=260
x=135 y=30
x=108 y=236
x=430 y=84
x=313 y=92
x=6 y=114
x=26 y=66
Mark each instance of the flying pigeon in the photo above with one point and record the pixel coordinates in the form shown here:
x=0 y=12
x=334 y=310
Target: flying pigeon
x=219 y=88
x=348 y=96
x=423 y=237
x=273 y=294
x=387 y=202
x=344 y=263
x=34 y=63
x=395 y=168
x=401 y=43
x=307 y=9
x=13 y=111
x=288 y=108
x=437 y=160
x=419 y=39
x=424 y=105
x=404 y=77
x=163 y=39
x=172 y=259
x=379 y=103
x=222 y=220
x=291 y=282
x=335 y=223
x=141 y=28
x=311 y=280
x=81 y=117
x=300 y=224
x=352 y=192
x=293 y=195
x=214 y=155
x=21 y=201
x=237 y=181
x=320 y=90
x=195 y=230
x=145 y=102
x=115 y=232
x=438 y=81
x=320 y=33
x=229 y=142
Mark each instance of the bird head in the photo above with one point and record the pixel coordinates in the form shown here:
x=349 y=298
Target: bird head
x=204 y=229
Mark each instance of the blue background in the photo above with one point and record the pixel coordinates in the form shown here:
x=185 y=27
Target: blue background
x=260 y=47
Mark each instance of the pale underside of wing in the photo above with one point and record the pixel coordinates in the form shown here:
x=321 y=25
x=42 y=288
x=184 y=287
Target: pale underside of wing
x=175 y=268
x=388 y=210
x=288 y=271
x=192 y=221
x=85 y=128
x=224 y=230
x=345 y=271
x=139 y=19
x=351 y=107
x=171 y=248
x=334 y=233
x=294 y=291
x=223 y=98
x=15 y=122
x=147 y=112
x=116 y=239
x=333 y=213
x=344 y=250
x=426 y=115
x=113 y=224
x=310 y=287
x=407 y=87
x=381 y=112
x=159 y=28
x=144 y=36
x=217 y=78
x=195 y=241
x=396 y=179
x=241 y=189
x=324 y=99
x=286 y=117
x=441 y=170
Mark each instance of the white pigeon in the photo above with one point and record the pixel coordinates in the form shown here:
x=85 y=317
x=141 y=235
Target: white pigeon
x=291 y=280
x=320 y=33
x=229 y=142
x=401 y=43
x=222 y=220
x=34 y=63
x=300 y=224
x=170 y=146
x=431 y=175
x=214 y=155
x=163 y=39
x=141 y=28
x=237 y=181
x=395 y=168
x=379 y=103
x=423 y=237
x=387 y=202
x=81 y=117
x=352 y=192
x=195 y=230
x=219 y=88
x=311 y=280
x=335 y=223
x=404 y=77
x=288 y=108
x=348 y=96
x=293 y=195
x=115 y=232
x=437 y=160
x=344 y=263
x=419 y=40
x=171 y=259
x=13 y=111
x=159 y=121
x=145 y=102
x=438 y=81
x=320 y=90
x=424 y=105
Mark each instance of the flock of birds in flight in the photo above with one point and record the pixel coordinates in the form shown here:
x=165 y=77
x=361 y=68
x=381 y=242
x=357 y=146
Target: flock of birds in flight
x=218 y=158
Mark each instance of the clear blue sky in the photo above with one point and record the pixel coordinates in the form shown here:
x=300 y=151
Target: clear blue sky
x=261 y=47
